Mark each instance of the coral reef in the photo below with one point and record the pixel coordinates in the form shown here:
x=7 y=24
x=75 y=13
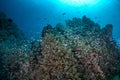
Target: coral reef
x=81 y=50
x=9 y=30
x=11 y=49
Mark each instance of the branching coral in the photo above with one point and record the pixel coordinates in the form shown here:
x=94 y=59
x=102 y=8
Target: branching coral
x=56 y=61
x=79 y=51
x=12 y=52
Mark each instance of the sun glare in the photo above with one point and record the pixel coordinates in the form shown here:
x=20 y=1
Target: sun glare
x=80 y=2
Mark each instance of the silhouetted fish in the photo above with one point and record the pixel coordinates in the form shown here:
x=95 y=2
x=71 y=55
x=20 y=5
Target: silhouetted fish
x=10 y=20
x=64 y=13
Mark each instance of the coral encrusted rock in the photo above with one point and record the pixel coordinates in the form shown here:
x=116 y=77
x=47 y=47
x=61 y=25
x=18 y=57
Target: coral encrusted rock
x=11 y=49
x=9 y=30
x=79 y=51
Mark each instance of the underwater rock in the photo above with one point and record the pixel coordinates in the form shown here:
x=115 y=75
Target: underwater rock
x=75 y=22
x=9 y=30
x=46 y=30
x=81 y=50
x=107 y=32
x=87 y=22
x=11 y=41
x=72 y=56
x=82 y=26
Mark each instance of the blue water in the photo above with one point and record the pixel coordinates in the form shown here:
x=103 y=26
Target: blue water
x=32 y=15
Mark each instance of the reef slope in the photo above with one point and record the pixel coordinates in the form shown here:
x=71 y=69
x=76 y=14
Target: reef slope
x=81 y=50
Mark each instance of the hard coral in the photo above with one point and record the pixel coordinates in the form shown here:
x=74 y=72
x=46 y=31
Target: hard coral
x=56 y=61
x=80 y=51
x=11 y=51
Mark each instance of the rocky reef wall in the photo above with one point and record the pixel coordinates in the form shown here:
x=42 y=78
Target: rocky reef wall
x=81 y=50
x=12 y=50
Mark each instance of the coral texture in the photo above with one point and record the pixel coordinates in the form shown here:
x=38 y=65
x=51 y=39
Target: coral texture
x=11 y=49
x=81 y=50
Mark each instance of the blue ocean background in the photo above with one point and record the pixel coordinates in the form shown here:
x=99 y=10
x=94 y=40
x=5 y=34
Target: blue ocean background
x=32 y=15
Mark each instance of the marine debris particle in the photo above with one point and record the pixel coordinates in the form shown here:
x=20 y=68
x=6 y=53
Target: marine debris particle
x=79 y=51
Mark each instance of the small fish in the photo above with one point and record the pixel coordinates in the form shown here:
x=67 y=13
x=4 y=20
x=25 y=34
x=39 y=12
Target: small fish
x=44 y=18
x=10 y=20
x=64 y=13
